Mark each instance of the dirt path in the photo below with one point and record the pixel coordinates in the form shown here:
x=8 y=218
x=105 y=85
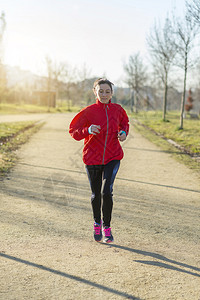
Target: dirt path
x=46 y=243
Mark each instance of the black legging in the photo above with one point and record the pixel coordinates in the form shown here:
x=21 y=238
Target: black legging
x=95 y=174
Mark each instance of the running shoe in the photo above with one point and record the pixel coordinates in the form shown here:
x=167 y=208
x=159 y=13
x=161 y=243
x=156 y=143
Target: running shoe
x=108 y=238
x=98 y=232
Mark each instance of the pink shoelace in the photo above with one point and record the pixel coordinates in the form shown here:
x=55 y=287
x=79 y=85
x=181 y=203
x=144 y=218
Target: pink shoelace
x=107 y=231
x=97 y=229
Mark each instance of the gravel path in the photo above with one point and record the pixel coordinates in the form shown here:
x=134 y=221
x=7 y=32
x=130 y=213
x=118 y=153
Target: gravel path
x=46 y=244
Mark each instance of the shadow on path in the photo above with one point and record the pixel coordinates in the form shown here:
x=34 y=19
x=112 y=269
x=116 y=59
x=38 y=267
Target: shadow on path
x=166 y=266
x=118 y=178
x=52 y=168
x=160 y=185
x=155 y=150
x=73 y=277
x=158 y=256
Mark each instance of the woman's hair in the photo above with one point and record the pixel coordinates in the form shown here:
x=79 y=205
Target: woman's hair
x=102 y=81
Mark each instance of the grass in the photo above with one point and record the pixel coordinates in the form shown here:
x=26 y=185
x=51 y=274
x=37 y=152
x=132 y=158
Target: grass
x=12 y=135
x=62 y=106
x=188 y=138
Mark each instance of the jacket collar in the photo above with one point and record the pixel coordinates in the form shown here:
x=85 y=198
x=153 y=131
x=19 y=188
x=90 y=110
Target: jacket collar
x=103 y=104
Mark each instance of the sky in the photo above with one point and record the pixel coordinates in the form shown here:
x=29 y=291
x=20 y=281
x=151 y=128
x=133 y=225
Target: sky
x=98 y=34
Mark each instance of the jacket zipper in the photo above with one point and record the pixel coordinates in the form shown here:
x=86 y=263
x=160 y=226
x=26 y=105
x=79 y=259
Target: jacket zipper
x=106 y=136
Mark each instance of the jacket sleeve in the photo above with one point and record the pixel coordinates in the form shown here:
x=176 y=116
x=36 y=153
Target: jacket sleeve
x=78 y=127
x=124 y=121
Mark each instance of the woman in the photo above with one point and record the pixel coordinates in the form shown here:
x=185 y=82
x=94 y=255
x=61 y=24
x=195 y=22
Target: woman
x=102 y=125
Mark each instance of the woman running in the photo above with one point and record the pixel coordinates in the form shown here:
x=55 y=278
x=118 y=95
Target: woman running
x=103 y=126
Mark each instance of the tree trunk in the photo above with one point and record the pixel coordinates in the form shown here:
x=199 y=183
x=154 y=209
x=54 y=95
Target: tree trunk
x=136 y=102
x=131 y=99
x=183 y=95
x=68 y=105
x=165 y=99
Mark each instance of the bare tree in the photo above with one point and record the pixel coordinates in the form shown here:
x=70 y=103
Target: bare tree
x=83 y=74
x=194 y=10
x=185 y=31
x=49 y=77
x=2 y=67
x=58 y=74
x=2 y=30
x=163 y=51
x=69 y=78
x=135 y=76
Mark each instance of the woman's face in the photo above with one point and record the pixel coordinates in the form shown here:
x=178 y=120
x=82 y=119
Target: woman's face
x=103 y=92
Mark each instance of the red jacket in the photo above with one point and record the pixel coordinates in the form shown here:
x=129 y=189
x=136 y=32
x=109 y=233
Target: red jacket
x=103 y=147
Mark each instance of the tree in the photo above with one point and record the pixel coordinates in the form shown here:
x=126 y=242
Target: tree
x=2 y=30
x=49 y=77
x=136 y=76
x=163 y=51
x=194 y=10
x=69 y=83
x=185 y=31
x=58 y=74
x=2 y=68
x=83 y=93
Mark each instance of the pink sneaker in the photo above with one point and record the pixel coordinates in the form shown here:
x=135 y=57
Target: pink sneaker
x=108 y=237
x=98 y=232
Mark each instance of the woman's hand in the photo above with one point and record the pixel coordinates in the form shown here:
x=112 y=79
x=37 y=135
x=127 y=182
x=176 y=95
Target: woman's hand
x=121 y=136
x=94 y=129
